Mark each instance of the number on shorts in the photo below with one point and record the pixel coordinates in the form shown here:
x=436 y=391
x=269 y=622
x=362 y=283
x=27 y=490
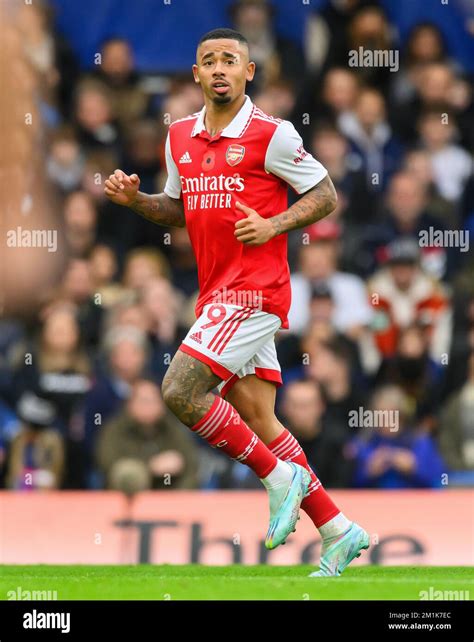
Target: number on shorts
x=215 y=314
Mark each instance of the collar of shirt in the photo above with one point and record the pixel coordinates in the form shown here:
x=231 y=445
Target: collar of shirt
x=234 y=129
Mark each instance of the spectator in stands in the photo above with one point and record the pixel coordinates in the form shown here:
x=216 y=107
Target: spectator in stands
x=161 y=307
x=58 y=369
x=142 y=146
x=402 y=294
x=182 y=261
x=118 y=73
x=76 y=287
x=437 y=88
x=36 y=456
x=456 y=426
x=320 y=329
x=332 y=150
x=104 y=268
x=451 y=164
x=55 y=365
x=274 y=56
x=417 y=162
x=182 y=100
x=96 y=124
x=65 y=163
x=371 y=138
x=128 y=311
x=145 y=447
x=406 y=216
x=49 y=53
x=303 y=414
x=80 y=218
x=326 y=33
x=417 y=374
x=126 y=355
x=462 y=337
x=425 y=44
x=141 y=266
x=339 y=94
x=369 y=29
x=393 y=453
x=318 y=263
x=277 y=99
x=329 y=364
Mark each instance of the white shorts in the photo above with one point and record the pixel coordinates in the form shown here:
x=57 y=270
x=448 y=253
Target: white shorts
x=235 y=341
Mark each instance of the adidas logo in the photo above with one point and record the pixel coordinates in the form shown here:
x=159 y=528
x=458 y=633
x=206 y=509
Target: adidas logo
x=197 y=336
x=185 y=158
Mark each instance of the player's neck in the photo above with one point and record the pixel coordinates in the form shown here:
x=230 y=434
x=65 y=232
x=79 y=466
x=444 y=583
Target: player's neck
x=217 y=117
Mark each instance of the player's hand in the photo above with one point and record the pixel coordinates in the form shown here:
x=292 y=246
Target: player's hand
x=253 y=230
x=121 y=188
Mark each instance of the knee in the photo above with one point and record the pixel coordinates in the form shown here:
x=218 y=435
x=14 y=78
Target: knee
x=259 y=416
x=255 y=416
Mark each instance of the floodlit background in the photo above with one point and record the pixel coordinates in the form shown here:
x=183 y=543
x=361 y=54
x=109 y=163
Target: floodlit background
x=95 y=300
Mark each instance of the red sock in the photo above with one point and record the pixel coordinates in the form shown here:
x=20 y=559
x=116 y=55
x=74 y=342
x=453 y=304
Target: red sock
x=222 y=427
x=317 y=504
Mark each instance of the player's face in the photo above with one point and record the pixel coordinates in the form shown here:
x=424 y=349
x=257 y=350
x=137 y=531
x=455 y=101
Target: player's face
x=222 y=69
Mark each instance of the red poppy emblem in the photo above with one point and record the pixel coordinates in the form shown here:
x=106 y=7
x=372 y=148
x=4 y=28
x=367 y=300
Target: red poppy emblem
x=208 y=160
x=234 y=154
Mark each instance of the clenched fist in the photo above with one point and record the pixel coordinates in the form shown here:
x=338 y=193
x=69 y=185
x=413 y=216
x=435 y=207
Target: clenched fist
x=121 y=188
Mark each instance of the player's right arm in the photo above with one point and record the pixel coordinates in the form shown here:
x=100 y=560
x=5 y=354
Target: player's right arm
x=158 y=208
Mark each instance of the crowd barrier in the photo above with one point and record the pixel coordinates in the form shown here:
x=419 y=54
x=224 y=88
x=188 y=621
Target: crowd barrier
x=225 y=527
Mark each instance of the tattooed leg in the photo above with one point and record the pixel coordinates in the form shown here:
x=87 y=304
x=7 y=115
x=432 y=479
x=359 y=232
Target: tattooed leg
x=186 y=388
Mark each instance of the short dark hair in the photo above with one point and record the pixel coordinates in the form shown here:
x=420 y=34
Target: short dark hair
x=229 y=34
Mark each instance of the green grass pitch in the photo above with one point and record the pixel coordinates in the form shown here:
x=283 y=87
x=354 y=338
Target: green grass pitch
x=194 y=582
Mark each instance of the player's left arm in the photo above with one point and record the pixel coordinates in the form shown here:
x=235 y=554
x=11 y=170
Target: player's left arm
x=287 y=159
x=314 y=205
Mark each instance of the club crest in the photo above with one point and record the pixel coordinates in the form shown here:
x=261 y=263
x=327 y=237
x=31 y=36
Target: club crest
x=234 y=154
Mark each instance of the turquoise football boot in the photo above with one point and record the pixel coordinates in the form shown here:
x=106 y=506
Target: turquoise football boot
x=285 y=507
x=336 y=556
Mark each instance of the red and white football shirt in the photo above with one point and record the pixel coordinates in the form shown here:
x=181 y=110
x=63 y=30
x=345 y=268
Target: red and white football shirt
x=253 y=160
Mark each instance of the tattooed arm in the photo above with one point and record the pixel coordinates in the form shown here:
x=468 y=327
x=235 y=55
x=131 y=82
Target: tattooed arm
x=157 y=208
x=314 y=205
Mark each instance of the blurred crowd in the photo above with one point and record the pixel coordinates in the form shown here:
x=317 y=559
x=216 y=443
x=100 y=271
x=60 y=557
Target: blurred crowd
x=379 y=321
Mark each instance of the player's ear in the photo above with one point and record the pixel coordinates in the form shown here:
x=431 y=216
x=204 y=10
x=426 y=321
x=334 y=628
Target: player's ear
x=250 y=71
x=195 y=74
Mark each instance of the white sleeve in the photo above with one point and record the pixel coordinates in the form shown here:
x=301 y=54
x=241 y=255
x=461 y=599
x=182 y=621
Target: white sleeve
x=287 y=159
x=173 y=182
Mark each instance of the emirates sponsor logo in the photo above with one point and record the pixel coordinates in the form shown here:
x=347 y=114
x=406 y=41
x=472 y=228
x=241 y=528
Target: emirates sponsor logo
x=221 y=183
